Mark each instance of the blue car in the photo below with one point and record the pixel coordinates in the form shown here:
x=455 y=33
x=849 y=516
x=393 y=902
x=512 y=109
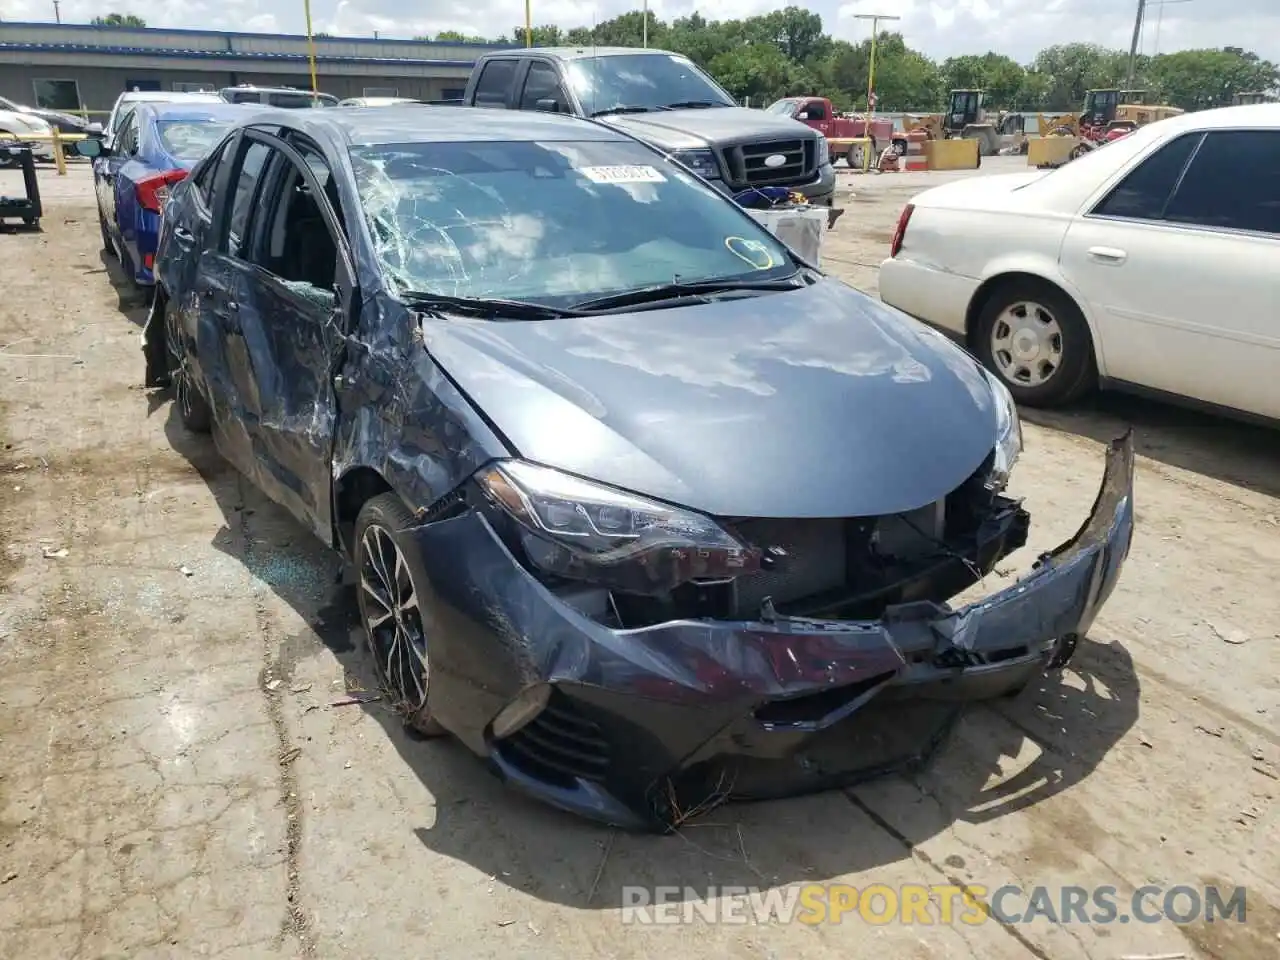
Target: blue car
x=156 y=145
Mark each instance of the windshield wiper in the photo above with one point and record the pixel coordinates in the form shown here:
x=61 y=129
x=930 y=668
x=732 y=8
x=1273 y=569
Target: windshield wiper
x=697 y=288
x=624 y=108
x=492 y=308
x=693 y=104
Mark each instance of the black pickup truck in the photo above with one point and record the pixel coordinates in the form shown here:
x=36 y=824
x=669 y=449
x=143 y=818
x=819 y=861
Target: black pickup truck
x=665 y=100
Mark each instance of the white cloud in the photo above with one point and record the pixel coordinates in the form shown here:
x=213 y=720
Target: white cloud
x=940 y=28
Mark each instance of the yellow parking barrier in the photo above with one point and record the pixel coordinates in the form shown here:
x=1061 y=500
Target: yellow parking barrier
x=57 y=138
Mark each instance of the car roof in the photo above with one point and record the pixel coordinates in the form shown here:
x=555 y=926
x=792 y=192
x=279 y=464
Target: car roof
x=256 y=88
x=1246 y=115
x=215 y=109
x=168 y=96
x=582 y=53
x=425 y=123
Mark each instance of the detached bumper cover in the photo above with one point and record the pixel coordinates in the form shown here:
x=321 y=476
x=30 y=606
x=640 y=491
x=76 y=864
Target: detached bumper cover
x=643 y=725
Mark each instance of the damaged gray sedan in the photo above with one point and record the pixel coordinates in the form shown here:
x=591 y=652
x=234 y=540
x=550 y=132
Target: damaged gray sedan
x=644 y=510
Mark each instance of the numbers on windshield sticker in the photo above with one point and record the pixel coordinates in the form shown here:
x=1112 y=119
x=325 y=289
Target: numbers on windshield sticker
x=623 y=175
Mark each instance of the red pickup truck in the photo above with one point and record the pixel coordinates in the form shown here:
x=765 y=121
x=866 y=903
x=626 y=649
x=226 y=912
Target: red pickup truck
x=843 y=133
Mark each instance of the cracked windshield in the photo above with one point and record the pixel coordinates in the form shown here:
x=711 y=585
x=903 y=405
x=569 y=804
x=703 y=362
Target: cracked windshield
x=551 y=222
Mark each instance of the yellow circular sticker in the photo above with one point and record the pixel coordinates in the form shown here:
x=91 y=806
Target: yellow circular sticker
x=752 y=251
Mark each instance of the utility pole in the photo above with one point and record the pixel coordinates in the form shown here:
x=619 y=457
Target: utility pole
x=875 y=19
x=1133 y=44
x=644 y=30
x=57 y=14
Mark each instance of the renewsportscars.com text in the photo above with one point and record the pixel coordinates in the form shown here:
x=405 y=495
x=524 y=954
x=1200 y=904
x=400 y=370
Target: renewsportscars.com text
x=931 y=904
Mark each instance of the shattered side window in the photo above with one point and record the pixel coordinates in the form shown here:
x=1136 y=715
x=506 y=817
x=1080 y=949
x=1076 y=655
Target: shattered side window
x=550 y=222
x=250 y=172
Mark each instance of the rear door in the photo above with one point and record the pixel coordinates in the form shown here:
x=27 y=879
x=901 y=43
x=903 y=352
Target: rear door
x=127 y=168
x=218 y=288
x=1179 y=258
x=122 y=150
x=285 y=290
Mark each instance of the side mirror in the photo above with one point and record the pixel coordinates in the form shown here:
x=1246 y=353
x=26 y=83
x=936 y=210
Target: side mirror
x=548 y=105
x=89 y=148
x=802 y=115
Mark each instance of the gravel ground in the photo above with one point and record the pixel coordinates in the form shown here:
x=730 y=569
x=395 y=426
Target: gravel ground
x=174 y=781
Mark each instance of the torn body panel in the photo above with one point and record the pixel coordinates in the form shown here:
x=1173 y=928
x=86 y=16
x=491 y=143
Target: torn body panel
x=641 y=724
x=402 y=417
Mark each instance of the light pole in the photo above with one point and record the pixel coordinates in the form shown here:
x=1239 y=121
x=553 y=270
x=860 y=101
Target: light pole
x=528 y=23
x=644 y=30
x=875 y=19
x=311 y=46
x=1159 y=19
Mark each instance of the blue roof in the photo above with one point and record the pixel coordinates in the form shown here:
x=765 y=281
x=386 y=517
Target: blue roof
x=227 y=54
x=107 y=31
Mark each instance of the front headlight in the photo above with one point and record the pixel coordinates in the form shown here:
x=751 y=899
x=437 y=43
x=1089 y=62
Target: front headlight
x=701 y=162
x=582 y=530
x=1008 y=434
x=824 y=151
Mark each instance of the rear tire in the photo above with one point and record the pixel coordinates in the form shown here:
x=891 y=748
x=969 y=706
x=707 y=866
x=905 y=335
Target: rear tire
x=395 y=630
x=1034 y=338
x=108 y=247
x=193 y=409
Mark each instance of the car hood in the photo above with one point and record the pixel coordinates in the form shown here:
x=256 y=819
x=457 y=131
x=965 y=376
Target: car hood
x=701 y=127
x=23 y=122
x=819 y=402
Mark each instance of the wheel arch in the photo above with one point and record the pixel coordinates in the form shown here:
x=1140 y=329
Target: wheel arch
x=992 y=284
x=352 y=489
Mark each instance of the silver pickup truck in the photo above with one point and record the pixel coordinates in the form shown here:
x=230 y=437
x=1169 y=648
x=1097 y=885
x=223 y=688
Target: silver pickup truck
x=665 y=100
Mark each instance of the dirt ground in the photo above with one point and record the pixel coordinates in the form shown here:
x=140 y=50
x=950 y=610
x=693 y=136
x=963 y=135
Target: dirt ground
x=174 y=781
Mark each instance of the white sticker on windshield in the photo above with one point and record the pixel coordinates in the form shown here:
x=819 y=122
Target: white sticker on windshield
x=623 y=175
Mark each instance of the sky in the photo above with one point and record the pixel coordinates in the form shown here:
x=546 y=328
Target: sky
x=939 y=28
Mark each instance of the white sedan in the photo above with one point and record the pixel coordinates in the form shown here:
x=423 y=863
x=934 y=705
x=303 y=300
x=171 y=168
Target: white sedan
x=1152 y=264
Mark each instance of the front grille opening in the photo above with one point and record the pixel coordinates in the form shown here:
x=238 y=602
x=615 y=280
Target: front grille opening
x=749 y=163
x=559 y=746
x=814 y=707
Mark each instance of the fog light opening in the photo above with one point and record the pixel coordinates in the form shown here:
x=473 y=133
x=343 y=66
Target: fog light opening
x=520 y=711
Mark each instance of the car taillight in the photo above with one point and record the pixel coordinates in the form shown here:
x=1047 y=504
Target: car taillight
x=153 y=191
x=900 y=230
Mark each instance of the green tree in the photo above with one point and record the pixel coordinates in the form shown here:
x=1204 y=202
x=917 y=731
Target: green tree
x=999 y=76
x=118 y=20
x=760 y=72
x=453 y=36
x=1074 y=68
x=547 y=35
x=1196 y=79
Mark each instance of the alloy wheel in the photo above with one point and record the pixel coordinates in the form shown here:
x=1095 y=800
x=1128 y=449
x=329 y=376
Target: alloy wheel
x=393 y=621
x=179 y=367
x=1026 y=344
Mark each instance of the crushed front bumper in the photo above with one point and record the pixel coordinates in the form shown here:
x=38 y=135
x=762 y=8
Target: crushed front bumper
x=642 y=726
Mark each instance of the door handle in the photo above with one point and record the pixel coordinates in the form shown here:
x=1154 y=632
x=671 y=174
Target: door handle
x=1108 y=255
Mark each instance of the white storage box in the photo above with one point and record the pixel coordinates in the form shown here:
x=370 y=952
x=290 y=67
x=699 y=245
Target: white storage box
x=800 y=228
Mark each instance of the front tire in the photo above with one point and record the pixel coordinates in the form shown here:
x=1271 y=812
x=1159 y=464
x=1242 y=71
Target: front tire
x=1034 y=338
x=193 y=409
x=395 y=629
